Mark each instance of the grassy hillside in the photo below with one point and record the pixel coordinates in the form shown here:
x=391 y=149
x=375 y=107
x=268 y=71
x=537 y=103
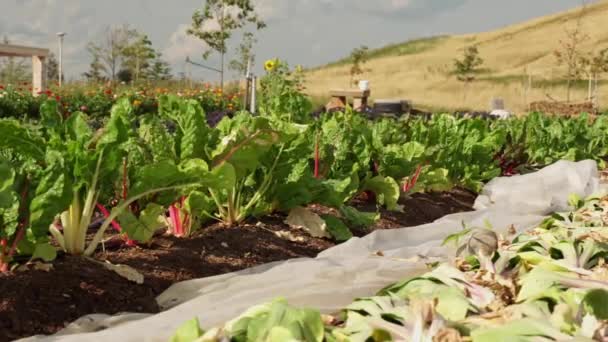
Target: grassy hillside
x=420 y=70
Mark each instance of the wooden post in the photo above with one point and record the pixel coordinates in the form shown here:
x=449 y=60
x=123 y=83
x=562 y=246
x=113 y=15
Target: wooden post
x=38 y=74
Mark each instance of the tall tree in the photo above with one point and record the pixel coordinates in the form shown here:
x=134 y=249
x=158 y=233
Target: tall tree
x=244 y=54
x=139 y=55
x=110 y=50
x=215 y=23
x=13 y=70
x=160 y=69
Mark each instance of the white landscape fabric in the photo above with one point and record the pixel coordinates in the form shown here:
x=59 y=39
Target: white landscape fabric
x=342 y=273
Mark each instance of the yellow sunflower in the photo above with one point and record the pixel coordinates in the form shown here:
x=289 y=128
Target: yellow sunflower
x=270 y=65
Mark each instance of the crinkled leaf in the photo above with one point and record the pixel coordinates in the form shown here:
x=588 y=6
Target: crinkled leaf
x=386 y=190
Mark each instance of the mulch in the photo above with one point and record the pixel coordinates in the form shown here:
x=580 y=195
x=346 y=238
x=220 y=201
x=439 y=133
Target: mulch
x=38 y=301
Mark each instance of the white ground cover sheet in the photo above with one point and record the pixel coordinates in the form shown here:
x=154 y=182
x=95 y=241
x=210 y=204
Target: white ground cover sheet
x=354 y=269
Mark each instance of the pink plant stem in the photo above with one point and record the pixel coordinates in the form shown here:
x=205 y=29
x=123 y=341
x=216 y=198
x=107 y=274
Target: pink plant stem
x=106 y=214
x=175 y=219
x=3 y=263
x=115 y=225
x=22 y=225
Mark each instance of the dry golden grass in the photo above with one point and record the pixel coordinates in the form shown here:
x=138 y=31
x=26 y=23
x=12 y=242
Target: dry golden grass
x=509 y=55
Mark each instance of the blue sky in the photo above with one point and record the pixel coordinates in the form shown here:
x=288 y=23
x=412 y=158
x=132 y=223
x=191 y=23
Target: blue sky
x=307 y=32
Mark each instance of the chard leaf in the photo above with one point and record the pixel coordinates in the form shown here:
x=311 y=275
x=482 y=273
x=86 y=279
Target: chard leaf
x=7 y=178
x=77 y=128
x=336 y=228
x=596 y=303
x=188 y=332
x=45 y=252
x=358 y=218
x=386 y=190
x=19 y=139
x=195 y=132
x=52 y=196
x=293 y=324
x=142 y=229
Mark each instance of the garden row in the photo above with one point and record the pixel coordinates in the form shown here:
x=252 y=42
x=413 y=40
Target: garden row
x=68 y=188
x=547 y=284
x=58 y=171
x=19 y=102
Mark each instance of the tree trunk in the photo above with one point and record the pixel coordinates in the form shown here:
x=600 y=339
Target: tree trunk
x=137 y=69
x=590 y=79
x=568 y=84
x=595 y=99
x=222 y=73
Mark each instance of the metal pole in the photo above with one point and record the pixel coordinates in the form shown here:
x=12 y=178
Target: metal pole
x=60 y=76
x=247 y=85
x=253 y=85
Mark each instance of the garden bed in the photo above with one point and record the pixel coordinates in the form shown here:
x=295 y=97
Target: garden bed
x=41 y=302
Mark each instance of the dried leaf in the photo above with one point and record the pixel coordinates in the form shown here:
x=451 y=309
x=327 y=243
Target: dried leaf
x=305 y=219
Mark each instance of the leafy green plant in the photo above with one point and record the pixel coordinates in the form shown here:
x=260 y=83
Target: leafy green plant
x=280 y=94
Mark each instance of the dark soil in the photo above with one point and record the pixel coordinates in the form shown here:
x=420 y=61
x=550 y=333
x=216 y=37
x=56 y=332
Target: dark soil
x=40 y=302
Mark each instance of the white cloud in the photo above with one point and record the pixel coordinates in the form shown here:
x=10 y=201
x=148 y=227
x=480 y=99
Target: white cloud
x=182 y=45
x=308 y=32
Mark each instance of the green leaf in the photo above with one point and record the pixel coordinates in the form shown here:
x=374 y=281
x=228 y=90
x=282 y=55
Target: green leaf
x=52 y=196
x=386 y=190
x=199 y=205
x=575 y=201
x=223 y=177
x=336 y=228
x=188 y=332
x=50 y=118
x=45 y=252
x=596 y=303
x=7 y=178
x=358 y=218
x=142 y=229
x=455 y=238
x=77 y=128
x=294 y=324
x=15 y=137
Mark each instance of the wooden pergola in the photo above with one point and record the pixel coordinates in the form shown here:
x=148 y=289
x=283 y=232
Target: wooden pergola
x=38 y=62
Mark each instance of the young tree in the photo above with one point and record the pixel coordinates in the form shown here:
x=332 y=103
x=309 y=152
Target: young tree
x=595 y=64
x=109 y=52
x=13 y=70
x=358 y=56
x=466 y=68
x=160 y=69
x=569 y=53
x=95 y=72
x=244 y=54
x=138 y=55
x=52 y=68
x=215 y=23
